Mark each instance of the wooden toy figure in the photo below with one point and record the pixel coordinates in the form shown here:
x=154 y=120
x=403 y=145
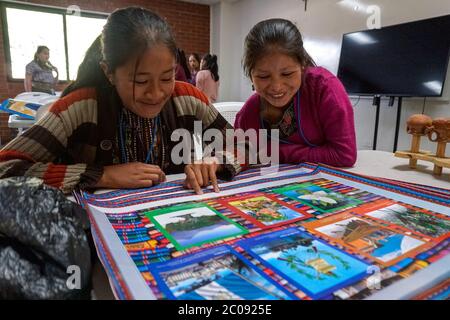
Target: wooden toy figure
x=441 y=128
x=417 y=125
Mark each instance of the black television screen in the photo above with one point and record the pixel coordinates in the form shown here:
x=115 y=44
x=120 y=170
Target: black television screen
x=408 y=59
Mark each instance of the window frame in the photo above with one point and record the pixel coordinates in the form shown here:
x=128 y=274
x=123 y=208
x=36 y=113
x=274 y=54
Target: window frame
x=45 y=9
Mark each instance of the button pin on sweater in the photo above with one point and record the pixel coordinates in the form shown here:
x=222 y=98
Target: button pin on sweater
x=106 y=145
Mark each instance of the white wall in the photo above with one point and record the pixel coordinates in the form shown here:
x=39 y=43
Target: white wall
x=322 y=27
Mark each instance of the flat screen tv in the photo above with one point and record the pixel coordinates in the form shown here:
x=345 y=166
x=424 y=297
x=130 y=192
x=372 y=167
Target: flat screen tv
x=409 y=59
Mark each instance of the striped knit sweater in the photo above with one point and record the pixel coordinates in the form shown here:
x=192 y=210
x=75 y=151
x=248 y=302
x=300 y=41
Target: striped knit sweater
x=71 y=144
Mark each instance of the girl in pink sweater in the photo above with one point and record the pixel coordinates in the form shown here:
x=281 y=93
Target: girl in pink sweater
x=308 y=104
x=207 y=79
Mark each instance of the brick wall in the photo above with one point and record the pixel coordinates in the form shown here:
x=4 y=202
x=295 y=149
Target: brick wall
x=189 y=22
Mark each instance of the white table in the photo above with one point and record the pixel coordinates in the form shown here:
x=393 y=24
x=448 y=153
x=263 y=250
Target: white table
x=41 y=98
x=16 y=122
x=385 y=165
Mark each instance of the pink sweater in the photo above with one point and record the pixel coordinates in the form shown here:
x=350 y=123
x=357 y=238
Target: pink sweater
x=326 y=120
x=206 y=83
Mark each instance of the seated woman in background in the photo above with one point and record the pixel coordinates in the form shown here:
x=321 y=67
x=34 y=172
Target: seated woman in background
x=111 y=128
x=182 y=71
x=39 y=73
x=207 y=79
x=308 y=104
x=194 y=66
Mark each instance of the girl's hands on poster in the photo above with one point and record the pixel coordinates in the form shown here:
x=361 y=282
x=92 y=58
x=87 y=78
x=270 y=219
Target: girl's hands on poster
x=131 y=175
x=201 y=174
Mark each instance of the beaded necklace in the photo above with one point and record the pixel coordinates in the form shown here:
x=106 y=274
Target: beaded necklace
x=299 y=125
x=140 y=139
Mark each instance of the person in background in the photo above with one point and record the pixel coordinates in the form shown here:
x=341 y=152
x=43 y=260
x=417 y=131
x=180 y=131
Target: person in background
x=39 y=73
x=182 y=71
x=112 y=127
x=207 y=79
x=194 y=66
x=307 y=104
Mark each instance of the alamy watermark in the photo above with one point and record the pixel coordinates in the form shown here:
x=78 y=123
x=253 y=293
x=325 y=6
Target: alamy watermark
x=229 y=147
x=374 y=281
x=73 y=282
x=374 y=20
x=73 y=10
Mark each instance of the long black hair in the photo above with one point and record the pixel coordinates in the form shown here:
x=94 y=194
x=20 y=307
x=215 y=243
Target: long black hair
x=274 y=34
x=181 y=60
x=128 y=33
x=211 y=65
x=90 y=74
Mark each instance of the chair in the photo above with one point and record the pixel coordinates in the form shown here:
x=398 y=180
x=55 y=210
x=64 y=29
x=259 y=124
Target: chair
x=21 y=124
x=228 y=110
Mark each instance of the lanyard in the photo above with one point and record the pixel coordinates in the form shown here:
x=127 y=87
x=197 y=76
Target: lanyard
x=299 y=126
x=123 y=152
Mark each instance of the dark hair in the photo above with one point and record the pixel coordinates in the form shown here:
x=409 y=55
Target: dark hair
x=181 y=60
x=196 y=57
x=128 y=33
x=36 y=58
x=274 y=34
x=90 y=74
x=211 y=65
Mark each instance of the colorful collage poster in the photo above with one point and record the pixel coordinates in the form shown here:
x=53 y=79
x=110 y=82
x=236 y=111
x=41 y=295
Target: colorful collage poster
x=323 y=200
x=193 y=224
x=298 y=239
x=220 y=273
x=368 y=238
x=410 y=218
x=315 y=267
x=264 y=210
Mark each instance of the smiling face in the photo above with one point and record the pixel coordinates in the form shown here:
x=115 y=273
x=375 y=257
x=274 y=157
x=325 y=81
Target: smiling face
x=277 y=77
x=153 y=82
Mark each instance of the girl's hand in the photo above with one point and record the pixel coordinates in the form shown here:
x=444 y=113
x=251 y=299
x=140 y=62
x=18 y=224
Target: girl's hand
x=131 y=175
x=201 y=174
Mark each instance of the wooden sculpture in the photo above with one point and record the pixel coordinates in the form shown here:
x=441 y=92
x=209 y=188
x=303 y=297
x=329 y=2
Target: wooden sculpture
x=437 y=130
x=416 y=125
x=440 y=128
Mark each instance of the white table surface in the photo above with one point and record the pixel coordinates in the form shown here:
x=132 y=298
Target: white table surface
x=369 y=162
x=14 y=121
x=385 y=165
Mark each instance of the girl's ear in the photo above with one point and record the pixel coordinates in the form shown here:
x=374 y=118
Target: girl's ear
x=302 y=66
x=106 y=71
x=251 y=80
